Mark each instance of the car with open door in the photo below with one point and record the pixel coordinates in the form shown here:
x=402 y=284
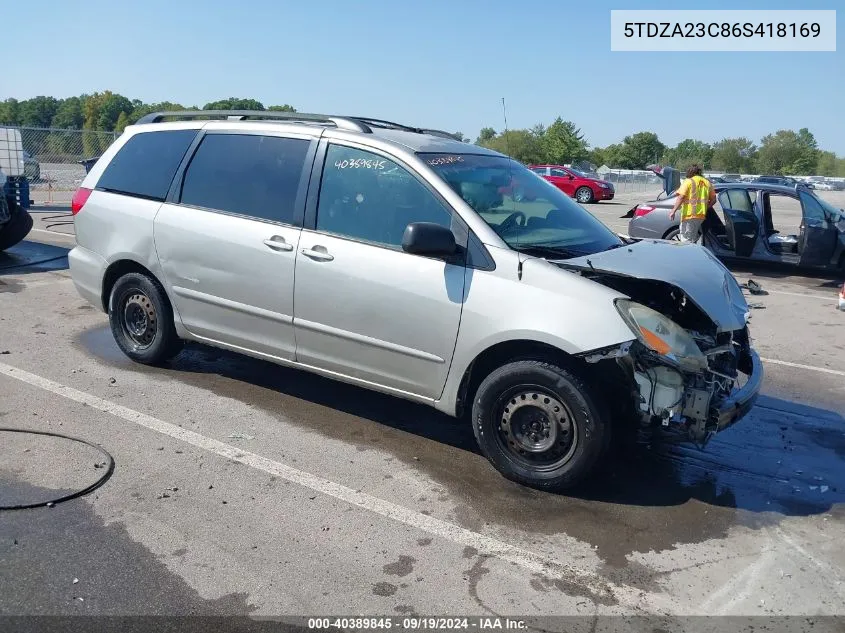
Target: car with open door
x=741 y=226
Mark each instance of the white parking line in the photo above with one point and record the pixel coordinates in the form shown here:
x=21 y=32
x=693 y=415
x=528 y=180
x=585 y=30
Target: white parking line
x=831 y=297
x=51 y=232
x=786 y=363
x=486 y=545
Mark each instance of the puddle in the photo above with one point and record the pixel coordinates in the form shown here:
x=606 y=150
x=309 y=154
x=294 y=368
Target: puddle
x=651 y=498
x=32 y=257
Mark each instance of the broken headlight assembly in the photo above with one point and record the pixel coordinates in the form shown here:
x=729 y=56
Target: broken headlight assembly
x=662 y=335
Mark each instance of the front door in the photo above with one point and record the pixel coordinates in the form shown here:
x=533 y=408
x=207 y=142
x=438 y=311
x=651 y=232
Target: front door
x=363 y=307
x=741 y=224
x=563 y=180
x=227 y=246
x=818 y=235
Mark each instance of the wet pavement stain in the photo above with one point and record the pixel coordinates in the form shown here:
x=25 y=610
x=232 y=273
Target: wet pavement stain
x=573 y=589
x=117 y=575
x=402 y=567
x=384 y=589
x=422 y=542
x=474 y=575
x=651 y=496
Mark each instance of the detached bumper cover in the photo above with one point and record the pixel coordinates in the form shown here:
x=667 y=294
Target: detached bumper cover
x=735 y=407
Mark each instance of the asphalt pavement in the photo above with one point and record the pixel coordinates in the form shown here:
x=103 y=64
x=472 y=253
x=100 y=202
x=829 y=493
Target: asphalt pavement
x=242 y=488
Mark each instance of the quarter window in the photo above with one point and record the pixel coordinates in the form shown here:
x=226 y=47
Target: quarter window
x=246 y=174
x=370 y=198
x=145 y=165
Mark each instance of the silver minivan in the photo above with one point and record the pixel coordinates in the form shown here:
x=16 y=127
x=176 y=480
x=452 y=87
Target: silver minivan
x=399 y=259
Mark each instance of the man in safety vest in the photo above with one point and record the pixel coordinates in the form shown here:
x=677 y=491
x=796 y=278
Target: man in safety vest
x=694 y=196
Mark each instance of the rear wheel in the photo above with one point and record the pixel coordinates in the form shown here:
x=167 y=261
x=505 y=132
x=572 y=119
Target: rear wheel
x=673 y=235
x=538 y=424
x=15 y=230
x=141 y=319
x=584 y=195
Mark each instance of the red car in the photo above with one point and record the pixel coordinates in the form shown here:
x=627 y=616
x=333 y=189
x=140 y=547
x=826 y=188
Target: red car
x=575 y=184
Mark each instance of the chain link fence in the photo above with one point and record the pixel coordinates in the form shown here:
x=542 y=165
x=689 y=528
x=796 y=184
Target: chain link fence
x=632 y=180
x=53 y=160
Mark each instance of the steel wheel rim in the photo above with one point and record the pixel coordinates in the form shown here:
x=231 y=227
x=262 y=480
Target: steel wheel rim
x=535 y=428
x=138 y=319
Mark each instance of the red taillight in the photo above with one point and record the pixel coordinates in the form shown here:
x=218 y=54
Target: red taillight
x=79 y=200
x=642 y=210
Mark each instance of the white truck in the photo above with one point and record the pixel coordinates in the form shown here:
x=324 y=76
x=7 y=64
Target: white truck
x=15 y=221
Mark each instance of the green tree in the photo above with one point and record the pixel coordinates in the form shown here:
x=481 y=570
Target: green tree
x=689 y=152
x=639 y=150
x=788 y=152
x=562 y=142
x=460 y=135
x=38 y=111
x=734 y=155
x=69 y=114
x=10 y=112
x=234 y=103
x=281 y=108
x=521 y=145
x=808 y=158
x=486 y=134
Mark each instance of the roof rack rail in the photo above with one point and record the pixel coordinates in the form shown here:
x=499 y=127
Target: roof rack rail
x=406 y=128
x=344 y=123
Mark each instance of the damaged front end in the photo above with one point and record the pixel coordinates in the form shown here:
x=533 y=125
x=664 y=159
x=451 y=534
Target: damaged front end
x=685 y=373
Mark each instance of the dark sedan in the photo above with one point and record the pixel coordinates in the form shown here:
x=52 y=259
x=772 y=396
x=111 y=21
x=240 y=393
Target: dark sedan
x=740 y=227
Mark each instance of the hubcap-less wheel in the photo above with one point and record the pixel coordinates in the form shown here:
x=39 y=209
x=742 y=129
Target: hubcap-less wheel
x=138 y=320
x=536 y=428
x=583 y=195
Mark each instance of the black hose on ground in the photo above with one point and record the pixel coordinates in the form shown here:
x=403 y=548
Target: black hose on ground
x=51 y=502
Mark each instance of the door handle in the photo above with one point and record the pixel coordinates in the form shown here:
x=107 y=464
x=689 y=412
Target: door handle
x=278 y=243
x=318 y=253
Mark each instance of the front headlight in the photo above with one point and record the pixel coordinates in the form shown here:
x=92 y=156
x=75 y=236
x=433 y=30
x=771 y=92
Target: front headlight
x=604 y=185
x=662 y=335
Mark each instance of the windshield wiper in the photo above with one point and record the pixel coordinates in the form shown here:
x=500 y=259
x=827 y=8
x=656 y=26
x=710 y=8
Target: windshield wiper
x=549 y=251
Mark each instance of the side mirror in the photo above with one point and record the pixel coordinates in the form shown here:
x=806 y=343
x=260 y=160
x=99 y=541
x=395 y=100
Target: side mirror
x=571 y=177
x=429 y=239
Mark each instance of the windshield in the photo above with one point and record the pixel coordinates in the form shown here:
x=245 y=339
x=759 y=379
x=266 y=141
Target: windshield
x=524 y=209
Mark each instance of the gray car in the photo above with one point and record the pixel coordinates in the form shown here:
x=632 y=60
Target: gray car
x=740 y=226
x=387 y=256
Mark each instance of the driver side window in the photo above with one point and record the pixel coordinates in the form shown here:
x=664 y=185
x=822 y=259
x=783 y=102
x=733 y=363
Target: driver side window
x=366 y=197
x=811 y=208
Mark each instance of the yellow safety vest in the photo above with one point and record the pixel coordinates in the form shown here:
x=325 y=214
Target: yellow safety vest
x=698 y=194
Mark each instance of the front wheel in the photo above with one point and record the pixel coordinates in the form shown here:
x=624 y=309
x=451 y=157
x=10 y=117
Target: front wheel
x=141 y=319
x=673 y=235
x=538 y=424
x=584 y=195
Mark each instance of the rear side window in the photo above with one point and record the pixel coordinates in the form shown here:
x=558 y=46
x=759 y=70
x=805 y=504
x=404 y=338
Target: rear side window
x=146 y=164
x=246 y=174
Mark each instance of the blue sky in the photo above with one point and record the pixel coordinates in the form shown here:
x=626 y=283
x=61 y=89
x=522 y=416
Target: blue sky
x=437 y=63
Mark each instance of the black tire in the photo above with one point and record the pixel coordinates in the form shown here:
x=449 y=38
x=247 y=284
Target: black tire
x=584 y=195
x=525 y=393
x=141 y=319
x=15 y=230
x=673 y=234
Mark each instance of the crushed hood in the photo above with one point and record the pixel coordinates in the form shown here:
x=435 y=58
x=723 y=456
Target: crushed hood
x=691 y=268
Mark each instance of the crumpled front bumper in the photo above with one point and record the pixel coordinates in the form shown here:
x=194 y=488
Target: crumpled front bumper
x=740 y=402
